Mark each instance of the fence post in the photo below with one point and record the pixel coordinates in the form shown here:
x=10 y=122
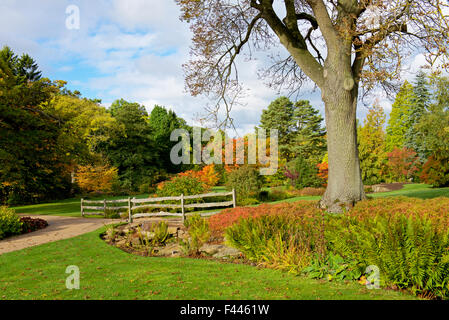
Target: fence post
x=233 y=198
x=82 y=209
x=104 y=208
x=182 y=209
x=130 y=213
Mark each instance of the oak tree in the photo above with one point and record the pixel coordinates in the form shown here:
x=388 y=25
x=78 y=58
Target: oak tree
x=346 y=47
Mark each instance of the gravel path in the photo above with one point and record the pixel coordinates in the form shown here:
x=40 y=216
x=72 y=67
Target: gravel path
x=58 y=228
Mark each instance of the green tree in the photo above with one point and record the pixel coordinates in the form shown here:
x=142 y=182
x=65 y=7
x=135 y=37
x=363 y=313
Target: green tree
x=33 y=164
x=399 y=122
x=309 y=135
x=131 y=147
x=372 y=146
x=23 y=68
x=162 y=123
x=86 y=124
x=279 y=116
x=433 y=130
x=421 y=102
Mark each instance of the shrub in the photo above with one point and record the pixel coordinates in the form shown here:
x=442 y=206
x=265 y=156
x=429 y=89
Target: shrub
x=278 y=194
x=303 y=174
x=199 y=233
x=228 y=217
x=246 y=181
x=402 y=164
x=181 y=185
x=408 y=239
x=411 y=252
x=286 y=242
x=10 y=223
x=435 y=172
x=207 y=175
x=32 y=224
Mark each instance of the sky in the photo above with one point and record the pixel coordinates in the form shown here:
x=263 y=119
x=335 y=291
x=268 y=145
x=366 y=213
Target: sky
x=133 y=49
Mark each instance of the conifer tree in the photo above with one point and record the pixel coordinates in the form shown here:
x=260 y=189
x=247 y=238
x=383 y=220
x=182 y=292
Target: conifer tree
x=420 y=105
x=399 y=122
x=309 y=137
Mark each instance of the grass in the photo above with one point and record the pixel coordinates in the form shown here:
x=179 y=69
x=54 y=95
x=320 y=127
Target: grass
x=109 y=273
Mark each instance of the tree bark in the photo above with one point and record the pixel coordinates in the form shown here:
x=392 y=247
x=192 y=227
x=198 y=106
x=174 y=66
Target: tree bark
x=345 y=186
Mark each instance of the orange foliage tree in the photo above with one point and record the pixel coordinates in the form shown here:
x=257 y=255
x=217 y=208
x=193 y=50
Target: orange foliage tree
x=207 y=175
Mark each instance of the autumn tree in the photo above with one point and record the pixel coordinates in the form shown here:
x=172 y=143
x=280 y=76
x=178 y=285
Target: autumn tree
x=343 y=46
x=372 y=145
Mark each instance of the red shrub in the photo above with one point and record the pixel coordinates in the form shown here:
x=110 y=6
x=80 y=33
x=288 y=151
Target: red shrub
x=436 y=210
x=303 y=209
x=32 y=224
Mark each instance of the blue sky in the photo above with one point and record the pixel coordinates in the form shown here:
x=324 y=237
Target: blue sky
x=131 y=49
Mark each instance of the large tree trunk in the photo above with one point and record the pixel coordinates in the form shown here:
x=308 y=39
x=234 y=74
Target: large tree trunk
x=345 y=186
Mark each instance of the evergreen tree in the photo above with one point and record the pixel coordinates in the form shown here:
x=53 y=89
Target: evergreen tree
x=421 y=102
x=279 y=115
x=309 y=135
x=24 y=68
x=399 y=122
x=163 y=122
x=372 y=146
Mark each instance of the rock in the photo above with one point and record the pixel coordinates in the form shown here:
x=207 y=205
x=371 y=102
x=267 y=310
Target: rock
x=380 y=188
x=121 y=243
x=146 y=235
x=227 y=252
x=171 y=250
x=182 y=234
x=134 y=239
x=173 y=231
x=211 y=249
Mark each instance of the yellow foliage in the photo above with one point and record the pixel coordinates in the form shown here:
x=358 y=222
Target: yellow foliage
x=96 y=178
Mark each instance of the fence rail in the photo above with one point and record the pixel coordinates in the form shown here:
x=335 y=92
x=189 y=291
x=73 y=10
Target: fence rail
x=99 y=207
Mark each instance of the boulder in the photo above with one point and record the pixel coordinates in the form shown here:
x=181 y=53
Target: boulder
x=227 y=252
x=212 y=249
x=171 y=250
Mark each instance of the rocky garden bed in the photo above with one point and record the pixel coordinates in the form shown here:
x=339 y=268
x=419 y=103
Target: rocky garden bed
x=165 y=238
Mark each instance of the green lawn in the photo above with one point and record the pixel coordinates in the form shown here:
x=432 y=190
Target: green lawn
x=109 y=273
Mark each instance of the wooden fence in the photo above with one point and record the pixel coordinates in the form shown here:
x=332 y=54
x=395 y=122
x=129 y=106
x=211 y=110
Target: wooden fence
x=99 y=207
